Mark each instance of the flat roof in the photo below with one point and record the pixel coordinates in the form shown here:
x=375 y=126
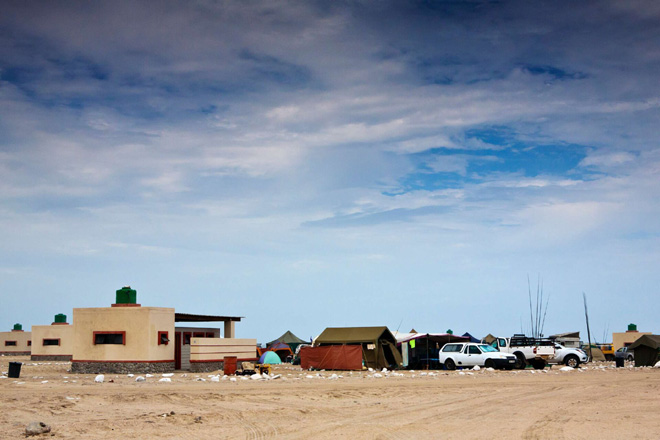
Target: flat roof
x=189 y=317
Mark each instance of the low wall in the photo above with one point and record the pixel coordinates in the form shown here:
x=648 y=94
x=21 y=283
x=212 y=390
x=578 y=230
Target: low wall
x=51 y=357
x=14 y=353
x=208 y=354
x=121 y=367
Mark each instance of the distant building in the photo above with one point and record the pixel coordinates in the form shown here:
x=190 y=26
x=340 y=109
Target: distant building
x=53 y=342
x=627 y=338
x=15 y=342
x=570 y=339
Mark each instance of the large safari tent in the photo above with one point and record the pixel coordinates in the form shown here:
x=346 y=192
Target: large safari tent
x=377 y=344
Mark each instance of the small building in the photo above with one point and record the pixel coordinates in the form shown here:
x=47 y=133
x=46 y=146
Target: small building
x=123 y=338
x=570 y=339
x=626 y=339
x=15 y=342
x=53 y=342
x=647 y=350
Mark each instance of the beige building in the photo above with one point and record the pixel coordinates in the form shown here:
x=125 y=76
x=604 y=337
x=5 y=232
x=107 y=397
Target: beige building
x=15 y=342
x=627 y=338
x=52 y=342
x=123 y=338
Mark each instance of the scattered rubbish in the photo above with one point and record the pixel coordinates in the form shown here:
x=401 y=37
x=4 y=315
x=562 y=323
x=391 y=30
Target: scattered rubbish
x=99 y=379
x=140 y=379
x=165 y=379
x=36 y=428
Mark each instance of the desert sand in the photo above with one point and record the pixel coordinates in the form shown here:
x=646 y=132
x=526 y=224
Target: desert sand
x=596 y=402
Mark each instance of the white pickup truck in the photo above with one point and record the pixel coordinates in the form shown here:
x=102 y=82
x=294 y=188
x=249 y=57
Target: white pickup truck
x=536 y=352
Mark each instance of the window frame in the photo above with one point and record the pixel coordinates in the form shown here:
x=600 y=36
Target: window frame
x=160 y=337
x=43 y=342
x=122 y=333
x=11 y=343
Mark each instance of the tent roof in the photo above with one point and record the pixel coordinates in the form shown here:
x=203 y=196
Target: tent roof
x=436 y=337
x=189 y=317
x=652 y=341
x=289 y=338
x=339 y=335
x=565 y=335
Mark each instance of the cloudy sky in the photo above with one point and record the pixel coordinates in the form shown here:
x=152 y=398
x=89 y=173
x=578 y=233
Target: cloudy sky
x=346 y=163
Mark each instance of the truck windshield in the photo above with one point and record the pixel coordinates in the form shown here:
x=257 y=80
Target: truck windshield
x=486 y=348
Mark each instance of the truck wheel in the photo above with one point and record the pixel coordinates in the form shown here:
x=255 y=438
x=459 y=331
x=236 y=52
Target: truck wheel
x=572 y=361
x=538 y=364
x=521 y=363
x=489 y=363
x=450 y=365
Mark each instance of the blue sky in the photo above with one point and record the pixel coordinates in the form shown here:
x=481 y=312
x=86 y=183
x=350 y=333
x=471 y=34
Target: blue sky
x=319 y=164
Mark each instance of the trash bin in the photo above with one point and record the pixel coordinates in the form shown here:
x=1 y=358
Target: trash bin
x=15 y=369
x=229 y=365
x=619 y=362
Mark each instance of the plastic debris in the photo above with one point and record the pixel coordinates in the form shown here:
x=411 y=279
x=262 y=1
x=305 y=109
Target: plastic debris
x=99 y=379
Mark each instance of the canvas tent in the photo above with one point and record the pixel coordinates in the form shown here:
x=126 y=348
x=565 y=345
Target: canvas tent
x=289 y=339
x=646 y=350
x=331 y=357
x=420 y=350
x=377 y=343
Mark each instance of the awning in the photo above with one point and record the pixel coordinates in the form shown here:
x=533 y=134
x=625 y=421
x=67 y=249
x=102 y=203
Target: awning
x=189 y=317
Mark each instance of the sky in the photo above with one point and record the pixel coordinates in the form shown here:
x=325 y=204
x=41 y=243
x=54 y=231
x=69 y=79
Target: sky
x=304 y=165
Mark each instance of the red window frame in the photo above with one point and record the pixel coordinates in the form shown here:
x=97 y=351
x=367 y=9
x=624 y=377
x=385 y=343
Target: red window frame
x=123 y=337
x=160 y=338
x=11 y=343
x=186 y=338
x=43 y=342
x=210 y=335
x=198 y=335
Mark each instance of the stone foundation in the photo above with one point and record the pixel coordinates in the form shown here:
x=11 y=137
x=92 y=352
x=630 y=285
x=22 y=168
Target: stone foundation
x=205 y=367
x=51 y=357
x=121 y=367
x=15 y=353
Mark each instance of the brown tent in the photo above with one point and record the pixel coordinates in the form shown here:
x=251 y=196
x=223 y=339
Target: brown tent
x=331 y=357
x=378 y=344
x=646 y=350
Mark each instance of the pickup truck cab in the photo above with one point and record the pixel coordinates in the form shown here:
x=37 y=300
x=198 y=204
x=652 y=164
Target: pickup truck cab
x=625 y=354
x=536 y=352
x=469 y=354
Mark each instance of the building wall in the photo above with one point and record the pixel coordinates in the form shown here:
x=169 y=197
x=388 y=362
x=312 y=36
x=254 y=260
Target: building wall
x=22 y=339
x=626 y=338
x=63 y=332
x=215 y=349
x=141 y=326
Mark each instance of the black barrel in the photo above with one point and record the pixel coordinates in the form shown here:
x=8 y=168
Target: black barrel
x=619 y=362
x=14 y=369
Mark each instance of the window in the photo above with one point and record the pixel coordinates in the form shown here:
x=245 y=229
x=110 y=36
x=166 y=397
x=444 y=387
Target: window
x=452 y=348
x=29 y=343
x=10 y=343
x=210 y=335
x=186 y=338
x=198 y=335
x=112 y=338
x=163 y=338
x=51 y=342
x=473 y=349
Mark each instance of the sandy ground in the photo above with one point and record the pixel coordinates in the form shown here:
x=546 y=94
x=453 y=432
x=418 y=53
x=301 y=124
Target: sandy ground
x=599 y=402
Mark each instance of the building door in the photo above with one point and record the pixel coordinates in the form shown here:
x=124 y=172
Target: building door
x=177 y=351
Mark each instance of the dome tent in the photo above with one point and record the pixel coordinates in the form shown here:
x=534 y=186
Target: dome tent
x=270 y=357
